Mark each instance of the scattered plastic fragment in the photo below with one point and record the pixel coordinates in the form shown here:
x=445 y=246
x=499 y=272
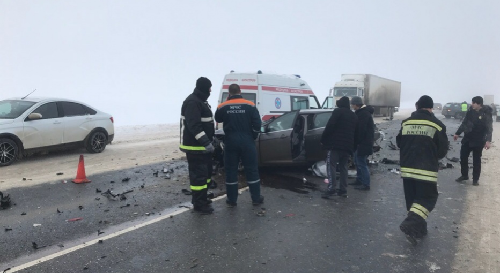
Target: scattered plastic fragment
x=37 y=225
x=126 y=179
x=99 y=232
x=290 y=215
x=80 y=207
x=155 y=174
x=4 y=201
x=59 y=173
x=391 y=145
x=389 y=161
x=454 y=159
x=58 y=211
x=24 y=213
x=36 y=246
x=8 y=229
x=127 y=205
x=97 y=190
x=74 y=219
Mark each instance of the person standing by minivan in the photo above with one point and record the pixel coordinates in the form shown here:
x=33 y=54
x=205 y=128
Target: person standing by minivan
x=241 y=127
x=363 y=143
x=197 y=132
x=477 y=128
x=338 y=139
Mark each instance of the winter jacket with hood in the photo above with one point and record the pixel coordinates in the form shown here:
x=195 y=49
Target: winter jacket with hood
x=364 y=134
x=423 y=141
x=197 y=123
x=339 y=131
x=477 y=127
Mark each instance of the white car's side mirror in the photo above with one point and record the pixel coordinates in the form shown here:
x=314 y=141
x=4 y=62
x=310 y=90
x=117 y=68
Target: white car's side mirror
x=34 y=116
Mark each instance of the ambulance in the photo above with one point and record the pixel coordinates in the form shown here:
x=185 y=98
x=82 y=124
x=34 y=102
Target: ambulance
x=272 y=94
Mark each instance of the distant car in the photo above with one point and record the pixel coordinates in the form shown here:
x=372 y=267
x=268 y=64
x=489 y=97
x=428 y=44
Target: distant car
x=453 y=109
x=438 y=106
x=42 y=124
x=293 y=138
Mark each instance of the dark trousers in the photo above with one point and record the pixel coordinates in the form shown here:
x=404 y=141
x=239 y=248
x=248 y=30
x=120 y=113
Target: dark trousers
x=241 y=147
x=363 y=173
x=200 y=171
x=477 y=152
x=421 y=197
x=332 y=158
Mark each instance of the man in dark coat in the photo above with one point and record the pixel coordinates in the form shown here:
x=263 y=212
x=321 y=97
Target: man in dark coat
x=338 y=139
x=363 y=143
x=197 y=132
x=477 y=127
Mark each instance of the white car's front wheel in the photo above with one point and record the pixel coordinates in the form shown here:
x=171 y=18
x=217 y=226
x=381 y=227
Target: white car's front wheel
x=8 y=151
x=96 y=142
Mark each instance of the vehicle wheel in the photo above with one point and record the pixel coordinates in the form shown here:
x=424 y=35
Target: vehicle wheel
x=96 y=142
x=447 y=116
x=458 y=116
x=8 y=151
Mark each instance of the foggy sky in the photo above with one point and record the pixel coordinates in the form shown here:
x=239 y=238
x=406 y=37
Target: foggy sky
x=138 y=60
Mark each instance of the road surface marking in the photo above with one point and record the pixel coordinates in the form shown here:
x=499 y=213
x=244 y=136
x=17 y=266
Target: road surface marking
x=177 y=211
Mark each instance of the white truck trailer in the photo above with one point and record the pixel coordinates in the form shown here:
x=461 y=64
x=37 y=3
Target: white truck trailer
x=489 y=100
x=382 y=94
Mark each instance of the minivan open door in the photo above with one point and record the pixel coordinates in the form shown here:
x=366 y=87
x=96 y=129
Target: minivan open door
x=275 y=140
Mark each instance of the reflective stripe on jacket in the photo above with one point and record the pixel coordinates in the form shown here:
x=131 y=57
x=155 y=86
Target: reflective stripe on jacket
x=423 y=141
x=196 y=124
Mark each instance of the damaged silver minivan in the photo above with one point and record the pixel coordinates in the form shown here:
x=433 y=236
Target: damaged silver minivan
x=293 y=138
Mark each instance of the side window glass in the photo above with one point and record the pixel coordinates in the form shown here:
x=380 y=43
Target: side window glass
x=72 y=109
x=320 y=120
x=299 y=103
x=89 y=111
x=48 y=110
x=283 y=122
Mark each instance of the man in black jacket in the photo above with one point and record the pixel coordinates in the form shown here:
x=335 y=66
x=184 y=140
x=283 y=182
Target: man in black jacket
x=241 y=127
x=363 y=143
x=423 y=141
x=338 y=139
x=477 y=127
x=197 y=132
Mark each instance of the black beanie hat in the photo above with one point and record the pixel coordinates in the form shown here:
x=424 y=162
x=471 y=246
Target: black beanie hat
x=425 y=102
x=477 y=100
x=203 y=84
x=343 y=102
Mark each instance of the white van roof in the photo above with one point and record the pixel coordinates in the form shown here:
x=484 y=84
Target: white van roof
x=268 y=82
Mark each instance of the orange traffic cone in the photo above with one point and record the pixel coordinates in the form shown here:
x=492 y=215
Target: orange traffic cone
x=80 y=173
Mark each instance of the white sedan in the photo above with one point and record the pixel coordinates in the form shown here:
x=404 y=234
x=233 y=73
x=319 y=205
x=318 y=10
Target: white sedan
x=42 y=124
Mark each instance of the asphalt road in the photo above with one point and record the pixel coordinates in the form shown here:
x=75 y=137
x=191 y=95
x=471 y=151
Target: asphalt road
x=294 y=231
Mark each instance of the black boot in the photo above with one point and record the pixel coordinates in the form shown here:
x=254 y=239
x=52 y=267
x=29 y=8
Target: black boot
x=412 y=227
x=475 y=182
x=462 y=178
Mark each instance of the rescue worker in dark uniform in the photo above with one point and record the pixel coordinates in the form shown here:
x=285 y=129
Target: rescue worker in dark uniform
x=197 y=132
x=241 y=127
x=423 y=141
x=477 y=128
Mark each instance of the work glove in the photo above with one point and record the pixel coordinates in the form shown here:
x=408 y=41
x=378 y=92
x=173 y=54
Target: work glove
x=210 y=148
